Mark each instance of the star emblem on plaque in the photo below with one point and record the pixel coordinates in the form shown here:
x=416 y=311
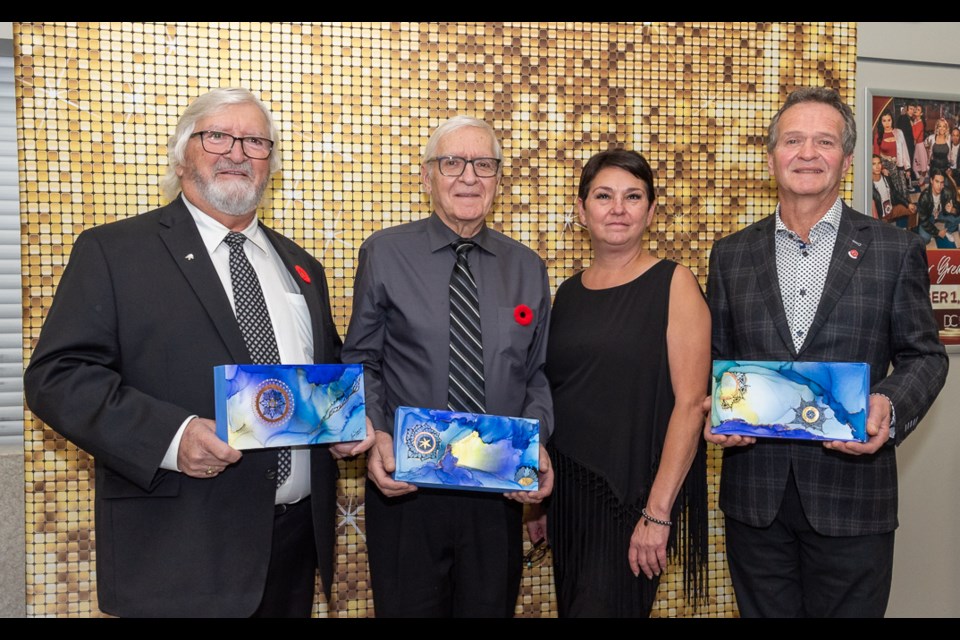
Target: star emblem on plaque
x=422 y=441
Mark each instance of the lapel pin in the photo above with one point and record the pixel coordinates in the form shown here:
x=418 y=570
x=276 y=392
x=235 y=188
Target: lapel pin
x=853 y=253
x=189 y=256
x=303 y=274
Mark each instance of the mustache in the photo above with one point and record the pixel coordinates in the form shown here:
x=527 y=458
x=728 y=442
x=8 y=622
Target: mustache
x=225 y=164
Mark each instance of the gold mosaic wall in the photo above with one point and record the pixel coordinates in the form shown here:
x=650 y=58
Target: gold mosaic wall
x=355 y=103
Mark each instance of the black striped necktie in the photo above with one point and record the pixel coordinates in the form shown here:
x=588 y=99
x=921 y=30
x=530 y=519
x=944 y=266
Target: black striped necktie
x=254 y=320
x=466 y=346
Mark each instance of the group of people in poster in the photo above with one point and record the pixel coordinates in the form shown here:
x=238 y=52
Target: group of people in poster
x=914 y=169
x=450 y=313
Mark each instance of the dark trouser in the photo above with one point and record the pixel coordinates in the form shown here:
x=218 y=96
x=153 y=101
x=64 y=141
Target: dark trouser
x=788 y=570
x=444 y=553
x=950 y=222
x=291 y=577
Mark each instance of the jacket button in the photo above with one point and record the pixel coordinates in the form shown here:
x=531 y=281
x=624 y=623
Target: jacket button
x=271 y=474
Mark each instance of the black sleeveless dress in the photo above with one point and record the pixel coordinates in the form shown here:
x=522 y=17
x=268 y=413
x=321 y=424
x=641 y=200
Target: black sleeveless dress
x=609 y=372
x=939 y=157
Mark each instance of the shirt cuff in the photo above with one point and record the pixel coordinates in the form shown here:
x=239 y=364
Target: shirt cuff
x=169 y=461
x=893 y=414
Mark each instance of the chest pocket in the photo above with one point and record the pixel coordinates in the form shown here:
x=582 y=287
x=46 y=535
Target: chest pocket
x=515 y=339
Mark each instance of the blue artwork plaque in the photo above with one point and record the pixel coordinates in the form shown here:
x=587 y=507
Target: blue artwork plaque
x=453 y=450
x=263 y=406
x=799 y=400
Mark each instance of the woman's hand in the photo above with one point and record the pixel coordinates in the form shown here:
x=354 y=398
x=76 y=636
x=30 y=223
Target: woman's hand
x=648 y=547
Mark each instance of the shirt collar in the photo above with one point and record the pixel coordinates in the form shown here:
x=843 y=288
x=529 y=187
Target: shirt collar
x=212 y=232
x=440 y=235
x=830 y=219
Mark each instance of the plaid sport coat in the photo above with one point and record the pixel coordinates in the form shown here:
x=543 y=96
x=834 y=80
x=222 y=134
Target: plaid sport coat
x=875 y=308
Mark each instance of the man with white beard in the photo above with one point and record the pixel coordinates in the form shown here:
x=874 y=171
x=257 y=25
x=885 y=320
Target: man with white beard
x=147 y=306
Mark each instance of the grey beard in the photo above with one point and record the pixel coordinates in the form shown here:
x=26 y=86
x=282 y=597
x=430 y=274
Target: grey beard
x=236 y=201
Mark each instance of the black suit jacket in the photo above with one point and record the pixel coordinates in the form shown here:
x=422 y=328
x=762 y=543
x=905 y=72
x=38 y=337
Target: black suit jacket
x=875 y=308
x=925 y=217
x=139 y=320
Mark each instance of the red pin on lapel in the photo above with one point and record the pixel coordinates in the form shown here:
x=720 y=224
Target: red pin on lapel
x=302 y=273
x=853 y=253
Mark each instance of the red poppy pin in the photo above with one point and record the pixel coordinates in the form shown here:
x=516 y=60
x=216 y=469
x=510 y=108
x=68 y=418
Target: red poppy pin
x=523 y=314
x=853 y=253
x=302 y=273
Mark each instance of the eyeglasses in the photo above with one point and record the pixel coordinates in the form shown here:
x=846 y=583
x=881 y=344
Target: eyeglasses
x=454 y=166
x=222 y=143
x=534 y=557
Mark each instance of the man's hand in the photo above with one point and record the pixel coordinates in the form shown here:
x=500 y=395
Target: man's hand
x=351 y=449
x=878 y=430
x=536 y=519
x=732 y=440
x=202 y=454
x=380 y=464
x=545 y=480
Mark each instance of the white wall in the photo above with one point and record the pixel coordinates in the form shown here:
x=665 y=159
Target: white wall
x=926 y=566
x=911 y=58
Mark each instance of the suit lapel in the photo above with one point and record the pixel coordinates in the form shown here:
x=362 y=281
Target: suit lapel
x=763 y=251
x=179 y=233
x=852 y=244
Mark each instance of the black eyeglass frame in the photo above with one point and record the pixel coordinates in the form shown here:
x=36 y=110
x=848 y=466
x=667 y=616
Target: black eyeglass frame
x=243 y=143
x=465 y=161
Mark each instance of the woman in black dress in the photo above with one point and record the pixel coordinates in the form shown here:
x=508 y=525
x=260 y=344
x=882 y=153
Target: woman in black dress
x=628 y=362
x=938 y=147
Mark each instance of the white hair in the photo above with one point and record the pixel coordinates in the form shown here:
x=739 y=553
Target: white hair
x=203 y=106
x=454 y=124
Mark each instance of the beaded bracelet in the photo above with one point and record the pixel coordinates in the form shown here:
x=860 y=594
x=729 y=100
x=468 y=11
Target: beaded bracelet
x=665 y=523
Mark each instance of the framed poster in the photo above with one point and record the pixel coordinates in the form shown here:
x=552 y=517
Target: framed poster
x=911 y=182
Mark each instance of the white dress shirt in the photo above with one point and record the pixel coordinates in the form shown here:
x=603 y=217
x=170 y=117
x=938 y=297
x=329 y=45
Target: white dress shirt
x=288 y=315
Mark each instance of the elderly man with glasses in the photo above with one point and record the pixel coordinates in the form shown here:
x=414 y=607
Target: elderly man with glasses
x=185 y=524
x=425 y=343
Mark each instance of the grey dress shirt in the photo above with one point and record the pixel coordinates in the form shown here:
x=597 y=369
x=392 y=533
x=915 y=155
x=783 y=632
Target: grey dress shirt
x=400 y=325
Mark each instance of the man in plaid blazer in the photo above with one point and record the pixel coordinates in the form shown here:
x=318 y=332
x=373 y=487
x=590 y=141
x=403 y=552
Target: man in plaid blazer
x=810 y=525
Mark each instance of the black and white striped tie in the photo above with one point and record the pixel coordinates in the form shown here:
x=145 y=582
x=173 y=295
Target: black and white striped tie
x=466 y=347
x=254 y=320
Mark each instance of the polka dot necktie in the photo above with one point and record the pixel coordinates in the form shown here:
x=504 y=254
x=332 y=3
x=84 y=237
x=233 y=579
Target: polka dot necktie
x=254 y=320
x=466 y=390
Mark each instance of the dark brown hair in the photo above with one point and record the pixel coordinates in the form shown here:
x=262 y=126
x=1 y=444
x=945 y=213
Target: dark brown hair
x=630 y=161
